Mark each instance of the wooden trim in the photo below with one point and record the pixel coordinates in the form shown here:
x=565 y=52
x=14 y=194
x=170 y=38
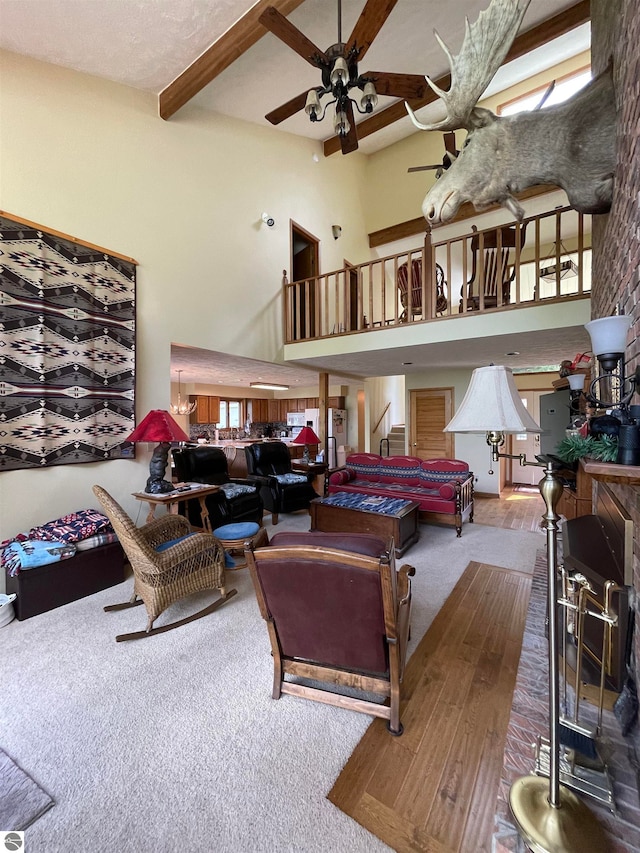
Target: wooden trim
x=467 y=211
x=535 y=37
x=222 y=53
x=63 y=236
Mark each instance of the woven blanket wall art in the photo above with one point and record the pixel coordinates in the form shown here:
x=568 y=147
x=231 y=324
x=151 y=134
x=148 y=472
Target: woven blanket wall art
x=67 y=350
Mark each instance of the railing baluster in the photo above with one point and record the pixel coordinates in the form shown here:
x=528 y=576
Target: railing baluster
x=345 y=301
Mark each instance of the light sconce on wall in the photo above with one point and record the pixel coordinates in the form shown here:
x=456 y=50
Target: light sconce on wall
x=611 y=389
x=268 y=220
x=336 y=230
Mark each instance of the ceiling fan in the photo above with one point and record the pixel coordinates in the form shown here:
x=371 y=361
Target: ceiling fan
x=450 y=154
x=340 y=75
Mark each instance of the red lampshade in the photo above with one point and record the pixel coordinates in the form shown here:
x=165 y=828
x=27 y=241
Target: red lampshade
x=306 y=436
x=158 y=426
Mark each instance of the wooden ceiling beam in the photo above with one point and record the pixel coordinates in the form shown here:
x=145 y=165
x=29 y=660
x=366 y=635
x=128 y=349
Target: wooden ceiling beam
x=535 y=37
x=229 y=47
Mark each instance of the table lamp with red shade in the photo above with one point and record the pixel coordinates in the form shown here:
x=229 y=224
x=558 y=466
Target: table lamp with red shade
x=306 y=436
x=158 y=426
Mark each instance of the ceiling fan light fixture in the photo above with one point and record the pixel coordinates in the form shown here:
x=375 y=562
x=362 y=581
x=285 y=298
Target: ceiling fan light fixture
x=339 y=72
x=312 y=105
x=341 y=123
x=369 y=97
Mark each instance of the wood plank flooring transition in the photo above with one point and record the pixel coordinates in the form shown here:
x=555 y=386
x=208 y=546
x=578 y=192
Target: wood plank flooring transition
x=434 y=789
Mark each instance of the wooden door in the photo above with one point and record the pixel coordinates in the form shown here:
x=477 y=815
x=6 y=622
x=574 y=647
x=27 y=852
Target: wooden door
x=305 y=266
x=527 y=443
x=431 y=409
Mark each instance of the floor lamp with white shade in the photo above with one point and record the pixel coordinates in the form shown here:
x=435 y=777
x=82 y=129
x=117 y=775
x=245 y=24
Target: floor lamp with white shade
x=550 y=817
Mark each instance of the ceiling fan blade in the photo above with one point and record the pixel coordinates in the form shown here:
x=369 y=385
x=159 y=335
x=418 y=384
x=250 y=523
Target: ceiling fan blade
x=450 y=143
x=368 y=25
x=285 y=111
x=349 y=142
x=424 y=168
x=398 y=85
x=281 y=27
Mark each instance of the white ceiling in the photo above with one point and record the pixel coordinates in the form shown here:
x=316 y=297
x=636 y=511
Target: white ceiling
x=148 y=43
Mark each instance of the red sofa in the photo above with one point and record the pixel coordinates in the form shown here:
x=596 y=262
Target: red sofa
x=442 y=487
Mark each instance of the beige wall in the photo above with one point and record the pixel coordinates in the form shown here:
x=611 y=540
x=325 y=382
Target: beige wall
x=184 y=198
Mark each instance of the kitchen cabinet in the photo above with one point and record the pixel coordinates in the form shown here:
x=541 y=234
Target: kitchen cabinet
x=336 y=403
x=274 y=411
x=260 y=410
x=207 y=410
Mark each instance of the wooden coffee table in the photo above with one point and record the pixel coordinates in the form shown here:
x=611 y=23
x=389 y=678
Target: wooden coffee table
x=403 y=525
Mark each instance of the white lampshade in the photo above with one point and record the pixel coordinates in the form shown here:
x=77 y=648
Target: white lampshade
x=576 y=381
x=341 y=123
x=369 y=96
x=492 y=404
x=312 y=105
x=339 y=72
x=609 y=334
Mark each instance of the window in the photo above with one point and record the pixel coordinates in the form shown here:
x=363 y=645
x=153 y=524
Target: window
x=564 y=89
x=230 y=414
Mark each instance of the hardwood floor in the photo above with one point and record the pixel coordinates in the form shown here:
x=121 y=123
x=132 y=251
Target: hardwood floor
x=435 y=788
x=516 y=509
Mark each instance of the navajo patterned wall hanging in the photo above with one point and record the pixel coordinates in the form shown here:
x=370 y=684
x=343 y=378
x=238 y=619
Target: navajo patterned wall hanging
x=67 y=349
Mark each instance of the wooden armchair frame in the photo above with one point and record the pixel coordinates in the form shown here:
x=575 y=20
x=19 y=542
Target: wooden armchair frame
x=195 y=562
x=310 y=568
x=495 y=254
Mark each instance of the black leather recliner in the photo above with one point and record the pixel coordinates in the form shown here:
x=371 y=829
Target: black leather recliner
x=237 y=500
x=282 y=489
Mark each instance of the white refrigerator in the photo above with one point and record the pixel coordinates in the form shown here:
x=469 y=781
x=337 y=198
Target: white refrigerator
x=337 y=432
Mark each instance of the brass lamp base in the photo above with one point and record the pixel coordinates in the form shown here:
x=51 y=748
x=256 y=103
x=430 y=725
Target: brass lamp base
x=571 y=828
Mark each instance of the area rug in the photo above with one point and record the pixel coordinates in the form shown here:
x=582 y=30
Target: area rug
x=22 y=800
x=527 y=490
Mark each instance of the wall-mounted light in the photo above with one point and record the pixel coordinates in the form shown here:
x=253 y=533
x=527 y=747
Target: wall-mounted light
x=336 y=230
x=268 y=220
x=608 y=343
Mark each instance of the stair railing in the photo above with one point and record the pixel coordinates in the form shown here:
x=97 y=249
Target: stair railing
x=382 y=441
x=384 y=412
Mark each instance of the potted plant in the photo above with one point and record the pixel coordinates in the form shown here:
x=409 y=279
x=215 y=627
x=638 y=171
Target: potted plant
x=603 y=448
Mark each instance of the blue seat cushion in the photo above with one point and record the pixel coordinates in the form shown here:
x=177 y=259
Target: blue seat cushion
x=229 y=562
x=238 y=530
x=165 y=545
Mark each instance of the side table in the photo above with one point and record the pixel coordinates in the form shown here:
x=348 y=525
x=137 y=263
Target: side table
x=172 y=499
x=317 y=469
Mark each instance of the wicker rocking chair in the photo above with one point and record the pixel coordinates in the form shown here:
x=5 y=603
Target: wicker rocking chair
x=169 y=562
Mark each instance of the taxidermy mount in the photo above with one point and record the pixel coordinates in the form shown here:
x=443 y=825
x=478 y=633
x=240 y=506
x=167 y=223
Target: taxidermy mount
x=571 y=145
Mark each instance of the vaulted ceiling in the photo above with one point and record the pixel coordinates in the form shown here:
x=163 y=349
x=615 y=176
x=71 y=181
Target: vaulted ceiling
x=217 y=56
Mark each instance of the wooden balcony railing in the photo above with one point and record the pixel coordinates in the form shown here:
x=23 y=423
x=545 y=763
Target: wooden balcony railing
x=545 y=258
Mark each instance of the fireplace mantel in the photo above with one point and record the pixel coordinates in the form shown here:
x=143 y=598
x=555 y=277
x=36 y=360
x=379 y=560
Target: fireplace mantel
x=626 y=474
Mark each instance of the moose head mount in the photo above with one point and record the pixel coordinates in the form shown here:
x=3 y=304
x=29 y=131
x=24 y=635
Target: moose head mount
x=571 y=145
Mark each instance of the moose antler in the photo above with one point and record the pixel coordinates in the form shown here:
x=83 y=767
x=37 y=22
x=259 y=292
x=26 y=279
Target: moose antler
x=484 y=48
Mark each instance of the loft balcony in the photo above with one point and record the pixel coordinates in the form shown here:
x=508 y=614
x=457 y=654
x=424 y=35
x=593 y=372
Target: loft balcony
x=496 y=272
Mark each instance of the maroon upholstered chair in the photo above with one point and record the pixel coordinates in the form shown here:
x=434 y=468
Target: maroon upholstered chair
x=338 y=613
